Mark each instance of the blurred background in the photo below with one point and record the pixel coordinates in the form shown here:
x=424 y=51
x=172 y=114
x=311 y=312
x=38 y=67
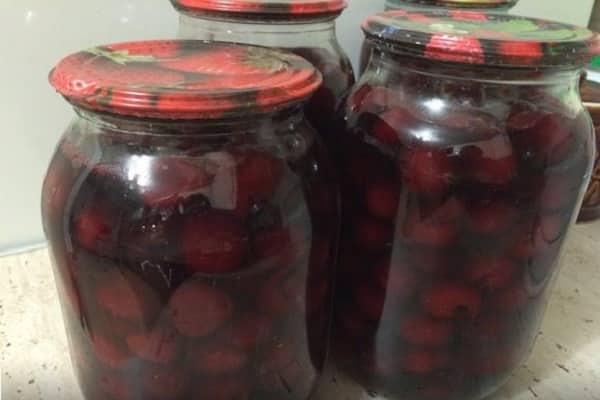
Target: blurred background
x=37 y=33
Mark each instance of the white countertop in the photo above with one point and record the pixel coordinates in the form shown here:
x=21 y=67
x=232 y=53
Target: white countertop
x=34 y=361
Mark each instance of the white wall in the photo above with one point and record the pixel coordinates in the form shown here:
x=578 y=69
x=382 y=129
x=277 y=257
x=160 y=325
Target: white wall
x=37 y=33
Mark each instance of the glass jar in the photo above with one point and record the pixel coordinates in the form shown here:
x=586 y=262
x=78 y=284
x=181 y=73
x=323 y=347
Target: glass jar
x=304 y=27
x=464 y=158
x=459 y=6
x=191 y=215
x=590 y=93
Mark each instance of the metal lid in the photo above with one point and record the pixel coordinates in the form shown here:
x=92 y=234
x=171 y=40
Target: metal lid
x=477 y=4
x=483 y=38
x=264 y=8
x=184 y=79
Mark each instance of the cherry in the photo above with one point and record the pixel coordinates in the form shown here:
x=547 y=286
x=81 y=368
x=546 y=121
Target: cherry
x=198 y=309
x=511 y=299
x=490 y=273
x=160 y=345
x=168 y=179
x=95 y=229
x=165 y=382
x=491 y=216
x=274 y=246
x=389 y=125
x=250 y=331
x=450 y=300
x=382 y=199
x=372 y=235
x=435 y=226
x=108 y=352
x=432 y=263
x=116 y=387
x=258 y=175
x=428 y=172
x=495 y=164
x=213 y=243
x=424 y=361
x=218 y=359
x=544 y=136
x=225 y=388
x=425 y=331
x=370 y=301
x=125 y=295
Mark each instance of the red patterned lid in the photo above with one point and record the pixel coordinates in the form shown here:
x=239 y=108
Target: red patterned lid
x=483 y=38
x=184 y=79
x=478 y=4
x=265 y=8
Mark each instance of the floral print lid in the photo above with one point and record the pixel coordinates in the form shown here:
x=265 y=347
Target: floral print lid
x=492 y=4
x=483 y=38
x=271 y=8
x=184 y=79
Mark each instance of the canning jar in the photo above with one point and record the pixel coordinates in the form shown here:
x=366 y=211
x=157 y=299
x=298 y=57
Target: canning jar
x=304 y=27
x=590 y=93
x=191 y=216
x=458 y=7
x=464 y=158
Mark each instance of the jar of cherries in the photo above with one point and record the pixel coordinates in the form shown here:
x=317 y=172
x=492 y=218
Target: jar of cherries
x=191 y=215
x=304 y=27
x=590 y=93
x=455 y=6
x=464 y=160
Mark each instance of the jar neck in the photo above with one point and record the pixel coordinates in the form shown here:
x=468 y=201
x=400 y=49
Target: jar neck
x=316 y=33
x=216 y=128
x=383 y=63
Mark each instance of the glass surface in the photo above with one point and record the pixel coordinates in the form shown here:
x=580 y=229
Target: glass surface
x=459 y=185
x=193 y=259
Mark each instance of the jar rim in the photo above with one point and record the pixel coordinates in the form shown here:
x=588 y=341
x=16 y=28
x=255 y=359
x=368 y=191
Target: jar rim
x=291 y=10
x=184 y=79
x=484 y=38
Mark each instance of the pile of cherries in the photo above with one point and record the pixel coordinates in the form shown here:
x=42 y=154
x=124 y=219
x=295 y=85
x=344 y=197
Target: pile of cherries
x=190 y=269
x=457 y=197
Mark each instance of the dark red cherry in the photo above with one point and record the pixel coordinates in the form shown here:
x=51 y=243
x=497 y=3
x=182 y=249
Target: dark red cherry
x=217 y=359
x=125 y=295
x=389 y=125
x=491 y=216
x=424 y=361
x=495 y=163
x=382 y=199
x=490 y=273
x=370 y=300
x=422 y=330
x=168 y=179
x=213 y=308
x=250 y=331
x=451 y=299
x=371 y=234
x=95 y=229
x=108 y=352
x=213 y=243
x=160 y=345
x=428 y=172
x=435 y=226
x=511 y=299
